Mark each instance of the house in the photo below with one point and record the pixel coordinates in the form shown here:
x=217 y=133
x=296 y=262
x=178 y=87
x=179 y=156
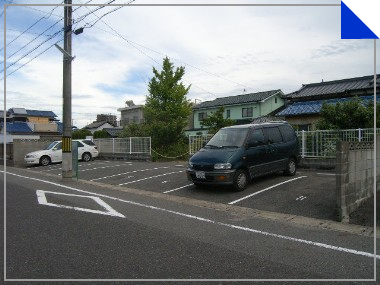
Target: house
x=98 y=126
x=114 y=132
x=131 y=114
x=303 y=106
x=22 y=123
x=241 y=108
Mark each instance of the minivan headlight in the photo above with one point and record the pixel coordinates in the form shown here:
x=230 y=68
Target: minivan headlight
x=222 y=166
x=190 y=164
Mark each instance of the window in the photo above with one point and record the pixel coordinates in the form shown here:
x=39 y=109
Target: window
x=275 y=100
x=88 y=142
x=256 y=138
x=58 y=146
x=273 y=135
x=247 y=112
x=304 y=127
x=202 y=116
x=287 y=133
x=228 y=114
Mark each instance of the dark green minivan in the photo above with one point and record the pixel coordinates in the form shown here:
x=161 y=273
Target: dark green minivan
x=237 y=154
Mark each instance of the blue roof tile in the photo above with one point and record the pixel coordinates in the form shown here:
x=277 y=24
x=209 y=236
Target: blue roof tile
x=17 y=127
x=314 y=107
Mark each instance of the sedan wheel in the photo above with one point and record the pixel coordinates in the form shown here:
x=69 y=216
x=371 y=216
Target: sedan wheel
x=86 y=157
x=45 y=160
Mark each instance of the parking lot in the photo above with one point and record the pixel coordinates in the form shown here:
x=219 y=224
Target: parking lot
x=309 y=193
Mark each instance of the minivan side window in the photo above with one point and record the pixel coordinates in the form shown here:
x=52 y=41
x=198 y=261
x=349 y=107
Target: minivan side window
x=273 y=135
x=288 y=133
x=256 y=138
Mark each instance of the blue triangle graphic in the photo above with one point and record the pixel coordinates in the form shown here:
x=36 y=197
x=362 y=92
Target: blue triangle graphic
x=352 y=27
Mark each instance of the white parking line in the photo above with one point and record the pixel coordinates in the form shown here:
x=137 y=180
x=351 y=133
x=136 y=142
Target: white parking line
x=178 y=188
x=246 y=229
x=258 y=192
x=331 y=174
x=135 y=171
x=146 y=178
x=109 y=211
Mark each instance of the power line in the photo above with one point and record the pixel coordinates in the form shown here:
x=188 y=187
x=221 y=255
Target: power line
x=134 y=44
x=56 y=33
x=31 y=59
x=31 y=26
x=30 y=51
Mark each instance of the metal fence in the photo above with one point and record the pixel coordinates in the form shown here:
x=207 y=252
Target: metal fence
x=323 y=143
x=138 y=145
x=196 y=142
x=312 y=143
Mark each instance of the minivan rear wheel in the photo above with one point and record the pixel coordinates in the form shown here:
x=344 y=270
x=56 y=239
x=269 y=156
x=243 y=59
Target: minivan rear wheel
x=240 y=180
x=291 y=168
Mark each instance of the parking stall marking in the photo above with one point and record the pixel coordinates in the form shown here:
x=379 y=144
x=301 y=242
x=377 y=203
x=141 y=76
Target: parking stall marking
x=129 y=172
x=258 y=192
x=179 y=188
x=209 y=221
x=143 y=179
x=107 y=209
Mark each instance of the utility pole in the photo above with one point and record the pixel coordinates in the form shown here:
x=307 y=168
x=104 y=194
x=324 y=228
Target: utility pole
x=67 y=160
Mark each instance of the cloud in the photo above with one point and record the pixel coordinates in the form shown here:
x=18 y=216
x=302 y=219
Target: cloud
x=224 y=50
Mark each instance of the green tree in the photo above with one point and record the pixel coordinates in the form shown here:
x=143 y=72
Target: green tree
x=167 y=109
x=216 y=121
x=101 y=134
x=81 y=134
x=351 y=114
x=135 y=130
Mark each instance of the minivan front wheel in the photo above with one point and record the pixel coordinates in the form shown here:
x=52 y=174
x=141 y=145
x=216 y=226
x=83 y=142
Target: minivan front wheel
x=240 y=180
x=291 y=168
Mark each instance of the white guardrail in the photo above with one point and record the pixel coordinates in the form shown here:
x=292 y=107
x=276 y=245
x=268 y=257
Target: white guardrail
x=312 y=143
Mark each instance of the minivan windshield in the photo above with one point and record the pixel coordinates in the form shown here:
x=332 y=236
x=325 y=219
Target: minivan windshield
x=229 y=137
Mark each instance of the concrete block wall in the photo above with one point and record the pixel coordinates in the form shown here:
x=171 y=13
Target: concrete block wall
x=355 y=176
x=22 y=147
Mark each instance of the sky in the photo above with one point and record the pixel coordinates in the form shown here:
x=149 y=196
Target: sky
x=226 y=51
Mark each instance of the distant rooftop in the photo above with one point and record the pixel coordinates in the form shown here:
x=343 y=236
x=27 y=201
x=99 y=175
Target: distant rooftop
x=239 y=99
x=32 y=113
x=335 y=87
x=314 y=107
x=17 y=127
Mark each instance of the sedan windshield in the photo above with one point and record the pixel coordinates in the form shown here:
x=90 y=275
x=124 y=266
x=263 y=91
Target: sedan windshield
x=50 y=146
x=228 y=138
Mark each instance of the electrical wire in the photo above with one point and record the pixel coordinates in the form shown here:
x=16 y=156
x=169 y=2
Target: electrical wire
x=31 y=26
x=30 y=60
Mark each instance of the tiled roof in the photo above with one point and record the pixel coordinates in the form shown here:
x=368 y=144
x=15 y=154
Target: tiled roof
x=95 y=125
x=17 y=127
x=314 y=107
x=335 y=87
x=113 y=132
x=239 y=99
x=33 y=113
x=37 y=113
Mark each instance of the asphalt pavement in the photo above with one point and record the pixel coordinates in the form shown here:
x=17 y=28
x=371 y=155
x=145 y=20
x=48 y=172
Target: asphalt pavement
x=138 y=220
